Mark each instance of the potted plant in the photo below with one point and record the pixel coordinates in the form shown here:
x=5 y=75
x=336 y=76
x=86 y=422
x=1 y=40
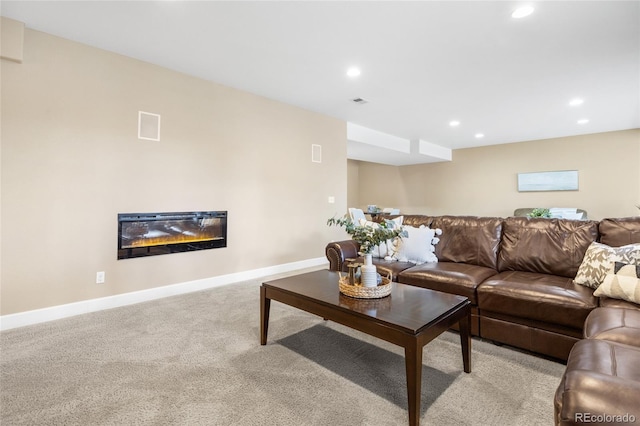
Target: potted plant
x=368 y=237
x=539 y=213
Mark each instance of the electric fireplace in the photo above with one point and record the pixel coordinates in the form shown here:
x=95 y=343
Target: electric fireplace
x=150 y=234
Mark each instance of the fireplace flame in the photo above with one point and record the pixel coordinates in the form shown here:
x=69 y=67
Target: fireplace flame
x=170 y=239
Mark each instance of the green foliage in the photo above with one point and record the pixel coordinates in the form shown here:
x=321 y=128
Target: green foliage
x=368 y=236
x=539 y=213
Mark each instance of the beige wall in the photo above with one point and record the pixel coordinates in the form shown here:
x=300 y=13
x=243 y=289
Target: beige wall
x=11 y=39
x=483 y=181
x=71 y=161
x=353 y=183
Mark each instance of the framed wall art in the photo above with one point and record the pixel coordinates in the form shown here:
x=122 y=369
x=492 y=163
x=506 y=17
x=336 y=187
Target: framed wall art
x=564 y=180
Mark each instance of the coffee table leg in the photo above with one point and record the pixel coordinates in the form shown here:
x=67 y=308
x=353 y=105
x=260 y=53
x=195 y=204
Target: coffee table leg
x=465 y=340
x=413 y=364
x=265 y=305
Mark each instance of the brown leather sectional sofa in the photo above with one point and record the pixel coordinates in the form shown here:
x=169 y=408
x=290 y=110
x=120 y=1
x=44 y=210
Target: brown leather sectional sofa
x=517 y=272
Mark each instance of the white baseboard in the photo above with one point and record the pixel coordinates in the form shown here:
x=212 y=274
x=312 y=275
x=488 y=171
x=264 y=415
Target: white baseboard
x=37 y=316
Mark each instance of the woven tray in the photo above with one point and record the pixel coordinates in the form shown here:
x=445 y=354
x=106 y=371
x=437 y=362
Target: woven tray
x=366 y=306
x=360 y=292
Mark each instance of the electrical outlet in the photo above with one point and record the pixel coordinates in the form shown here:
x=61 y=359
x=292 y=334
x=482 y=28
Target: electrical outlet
x=332 y=199
x=100 y=277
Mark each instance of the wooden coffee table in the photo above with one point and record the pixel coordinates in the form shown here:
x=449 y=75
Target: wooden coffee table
x=410 y=317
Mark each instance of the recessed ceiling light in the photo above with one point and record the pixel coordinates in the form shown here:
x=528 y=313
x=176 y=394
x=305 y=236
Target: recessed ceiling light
x=583 y=121
x=521 y=12
x=353 y=72
x=454 y=123
x=576 y=102
x=479 y=135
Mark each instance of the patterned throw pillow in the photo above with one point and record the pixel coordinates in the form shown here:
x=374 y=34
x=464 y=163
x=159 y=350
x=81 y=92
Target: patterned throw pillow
x=599 y=259
x=622 y=283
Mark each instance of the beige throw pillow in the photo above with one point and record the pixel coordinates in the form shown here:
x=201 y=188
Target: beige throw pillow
x=599 y=259
x=622 y=283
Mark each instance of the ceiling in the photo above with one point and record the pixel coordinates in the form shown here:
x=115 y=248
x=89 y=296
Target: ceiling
x=423 y=63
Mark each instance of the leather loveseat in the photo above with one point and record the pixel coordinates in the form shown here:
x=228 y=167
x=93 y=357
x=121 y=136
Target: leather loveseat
x=517 y=272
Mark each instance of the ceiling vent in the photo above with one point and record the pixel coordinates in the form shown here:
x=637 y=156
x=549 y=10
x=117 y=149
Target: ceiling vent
x=359 y=101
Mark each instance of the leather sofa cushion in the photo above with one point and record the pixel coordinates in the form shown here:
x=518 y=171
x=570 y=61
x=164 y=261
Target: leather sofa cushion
x=469 y=239
x=615 y=325
x=545 y=246
x=620 y=231
x=540 y=297
x=448 y=277
x=601 y=378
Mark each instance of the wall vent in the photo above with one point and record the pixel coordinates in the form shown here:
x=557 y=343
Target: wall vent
x=316 y=153
x=148 y=126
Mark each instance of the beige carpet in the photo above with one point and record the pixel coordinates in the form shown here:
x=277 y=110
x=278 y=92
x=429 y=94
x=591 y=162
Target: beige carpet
x=196 y=360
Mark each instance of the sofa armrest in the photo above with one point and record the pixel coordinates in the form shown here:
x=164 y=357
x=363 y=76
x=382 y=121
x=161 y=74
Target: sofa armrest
x=338 y=251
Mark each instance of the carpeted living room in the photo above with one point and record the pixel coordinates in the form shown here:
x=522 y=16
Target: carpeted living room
x=195 y=359
x=170 y=171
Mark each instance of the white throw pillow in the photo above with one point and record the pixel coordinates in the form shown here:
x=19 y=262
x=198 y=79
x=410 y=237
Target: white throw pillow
x=417 y=247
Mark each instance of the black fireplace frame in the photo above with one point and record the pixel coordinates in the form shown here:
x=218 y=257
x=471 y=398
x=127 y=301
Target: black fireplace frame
x=217 y=223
